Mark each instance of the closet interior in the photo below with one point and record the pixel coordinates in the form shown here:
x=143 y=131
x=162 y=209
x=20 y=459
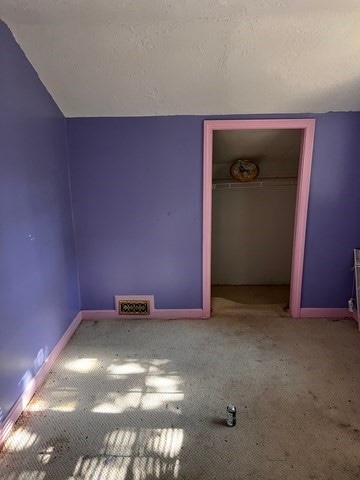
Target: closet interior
x=253 y=220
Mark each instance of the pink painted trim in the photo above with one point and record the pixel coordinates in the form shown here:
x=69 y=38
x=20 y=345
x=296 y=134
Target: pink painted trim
x=325 y=312
x=207 y=220
x=101 y=315
x=36 y=382
x=273 y=123
x=308 y=127
x=157 y=314
x=301 y=210
x=178 y=313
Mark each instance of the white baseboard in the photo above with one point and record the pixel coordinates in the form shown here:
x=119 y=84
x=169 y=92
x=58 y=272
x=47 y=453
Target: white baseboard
x=36 y=382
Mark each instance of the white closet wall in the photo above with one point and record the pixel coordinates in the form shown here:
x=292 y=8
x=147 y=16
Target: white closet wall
x=252 y=229
x=252 y=235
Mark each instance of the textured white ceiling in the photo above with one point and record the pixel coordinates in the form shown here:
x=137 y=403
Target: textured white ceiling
x=157 y=57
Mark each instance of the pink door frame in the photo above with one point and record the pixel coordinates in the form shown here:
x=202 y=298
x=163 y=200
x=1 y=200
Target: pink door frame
x=308 y=128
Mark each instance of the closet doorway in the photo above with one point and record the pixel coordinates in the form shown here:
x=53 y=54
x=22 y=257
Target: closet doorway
x=254 y=231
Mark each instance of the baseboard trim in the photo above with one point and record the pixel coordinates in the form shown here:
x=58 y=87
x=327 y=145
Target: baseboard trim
x=37 y=381
x=167 y=314
x=325 y=312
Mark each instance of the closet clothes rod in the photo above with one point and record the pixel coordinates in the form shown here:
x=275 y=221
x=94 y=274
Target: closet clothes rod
x=254 y=184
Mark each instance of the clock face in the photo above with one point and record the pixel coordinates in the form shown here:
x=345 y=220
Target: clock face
x=244 y=170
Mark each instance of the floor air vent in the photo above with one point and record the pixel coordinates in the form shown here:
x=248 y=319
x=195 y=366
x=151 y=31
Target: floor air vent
x=134 y=307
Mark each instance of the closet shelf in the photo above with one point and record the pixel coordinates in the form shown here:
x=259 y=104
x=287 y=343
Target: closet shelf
x=259 y=182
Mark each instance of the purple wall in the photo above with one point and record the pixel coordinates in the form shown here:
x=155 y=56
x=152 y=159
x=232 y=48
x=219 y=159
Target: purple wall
x=137 y=205
x=137 y=196
x=333 y=228
x=38 y=279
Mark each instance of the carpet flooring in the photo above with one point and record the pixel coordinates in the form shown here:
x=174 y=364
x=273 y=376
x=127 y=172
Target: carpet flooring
x=253 y=294
x=146 y=399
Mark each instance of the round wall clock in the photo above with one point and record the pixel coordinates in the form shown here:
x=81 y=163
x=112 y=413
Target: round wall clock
x=244 y=170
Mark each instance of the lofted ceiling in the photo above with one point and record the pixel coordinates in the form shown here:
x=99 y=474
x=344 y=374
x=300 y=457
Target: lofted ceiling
x=168 y=57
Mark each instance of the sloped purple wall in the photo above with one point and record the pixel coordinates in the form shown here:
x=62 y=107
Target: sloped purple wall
x=39 y=294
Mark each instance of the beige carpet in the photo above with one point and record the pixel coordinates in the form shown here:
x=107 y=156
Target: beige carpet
x=253 y=294
x=146 y=399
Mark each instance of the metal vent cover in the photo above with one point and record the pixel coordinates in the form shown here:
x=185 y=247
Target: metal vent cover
x=134 y=307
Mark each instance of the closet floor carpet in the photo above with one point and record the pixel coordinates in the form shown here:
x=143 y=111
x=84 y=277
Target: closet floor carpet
x=253 y=294
x=146 y=399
